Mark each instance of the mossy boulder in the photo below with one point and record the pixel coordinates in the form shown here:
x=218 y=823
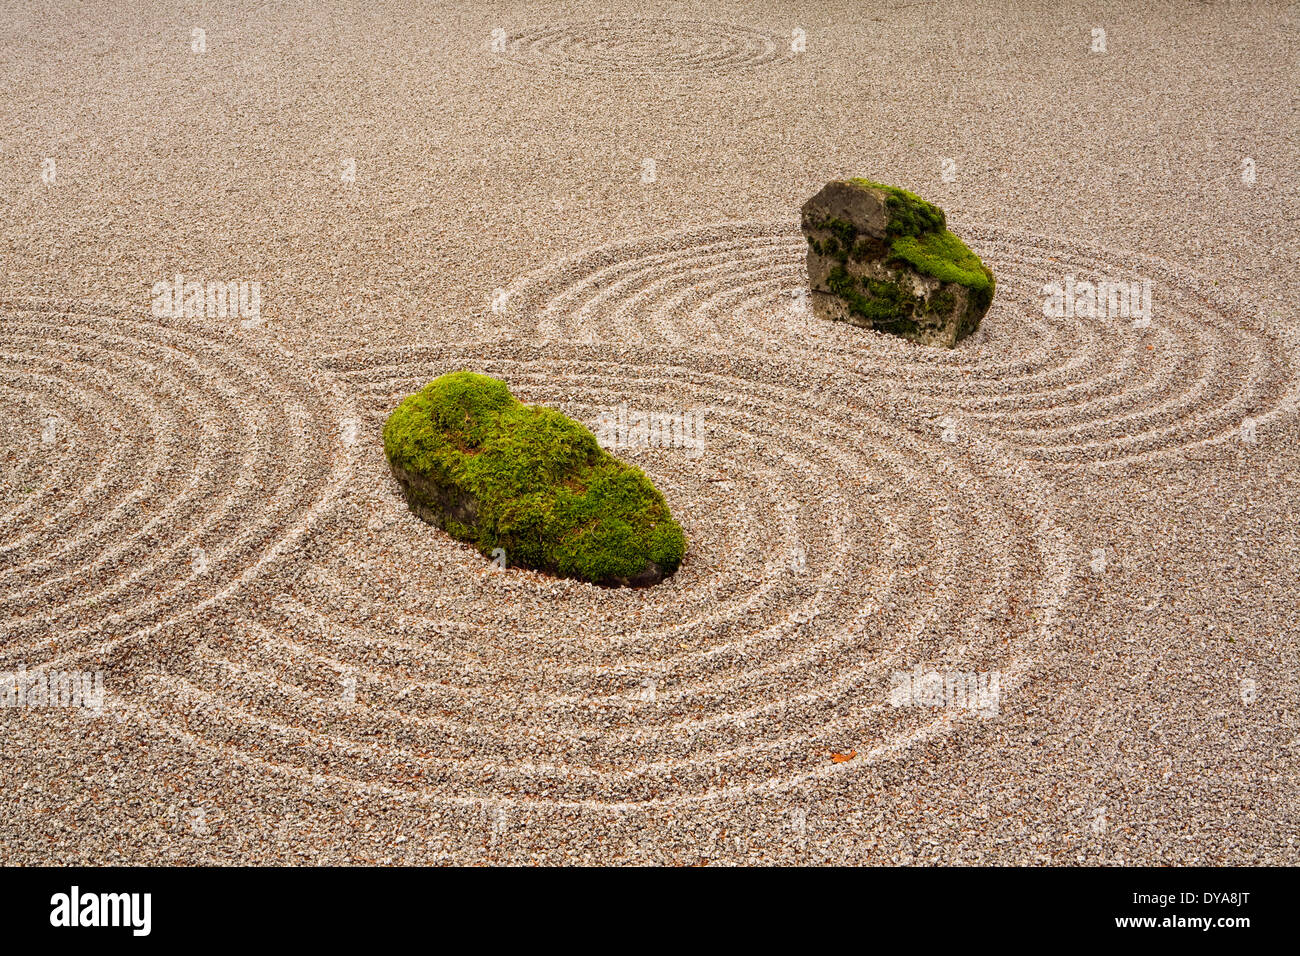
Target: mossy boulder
x=496 y=473
x=882 y=258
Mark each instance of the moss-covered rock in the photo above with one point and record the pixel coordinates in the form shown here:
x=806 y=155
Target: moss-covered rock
x=883 y=258
x=490 y=470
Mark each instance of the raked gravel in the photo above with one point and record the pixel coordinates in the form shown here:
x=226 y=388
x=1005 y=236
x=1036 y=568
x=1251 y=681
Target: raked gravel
x=1098 y=513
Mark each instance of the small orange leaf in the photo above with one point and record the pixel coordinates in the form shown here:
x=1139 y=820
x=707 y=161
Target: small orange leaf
x=843 y=758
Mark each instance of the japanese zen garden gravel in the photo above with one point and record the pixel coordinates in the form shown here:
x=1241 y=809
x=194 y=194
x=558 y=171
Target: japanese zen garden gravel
x=1082 y=519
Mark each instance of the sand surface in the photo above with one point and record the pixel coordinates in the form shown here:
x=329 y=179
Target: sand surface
x=1100 y=515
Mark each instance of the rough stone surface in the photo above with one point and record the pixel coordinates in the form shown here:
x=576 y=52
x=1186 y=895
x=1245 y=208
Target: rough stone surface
x=870 y=263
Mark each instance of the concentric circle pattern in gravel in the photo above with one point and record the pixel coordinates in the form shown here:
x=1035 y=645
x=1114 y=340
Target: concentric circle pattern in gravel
x=643 y=47
x=155 y=486
x=1062 y=391
x=819 y=534
x=298 y=671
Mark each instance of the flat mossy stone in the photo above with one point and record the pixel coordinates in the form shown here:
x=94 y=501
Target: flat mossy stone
x=883 y=258
x=496 y=473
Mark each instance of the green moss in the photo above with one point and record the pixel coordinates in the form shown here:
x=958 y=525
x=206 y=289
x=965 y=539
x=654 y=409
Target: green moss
x=882 y=302
x=918 y=236
x=942 y=302
x=547 y=493
x=946 y=258
x=909 y=214
x=841 y=242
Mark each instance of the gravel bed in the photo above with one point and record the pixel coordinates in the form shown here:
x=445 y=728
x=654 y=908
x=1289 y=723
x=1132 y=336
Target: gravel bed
x=1028 y=601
